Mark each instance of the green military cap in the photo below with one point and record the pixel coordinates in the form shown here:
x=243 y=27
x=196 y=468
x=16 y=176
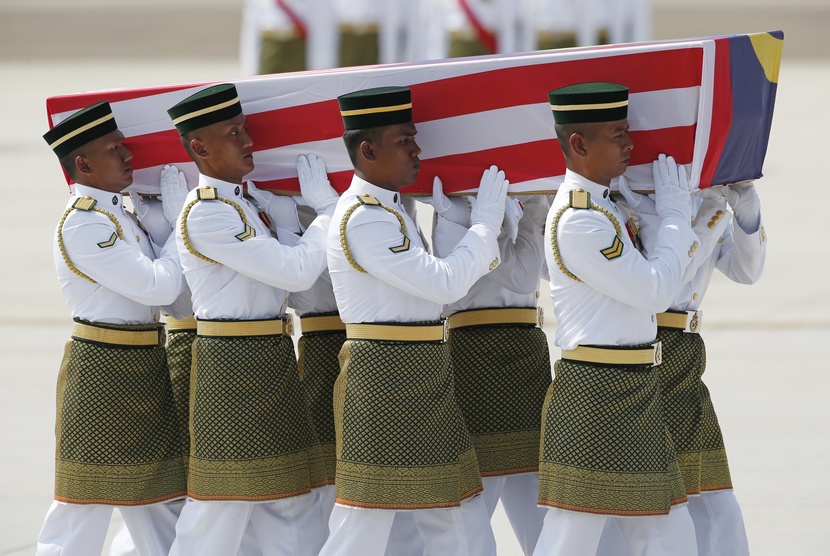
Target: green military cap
x=376 y=107
x=589 y=102
x=209 y=106
x=80 y=128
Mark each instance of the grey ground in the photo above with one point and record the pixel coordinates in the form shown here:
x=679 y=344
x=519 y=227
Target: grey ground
x=766 y=342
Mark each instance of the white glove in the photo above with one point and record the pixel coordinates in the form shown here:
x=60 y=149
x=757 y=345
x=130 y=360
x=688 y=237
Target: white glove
x=488 y=208
x=639 y=203
x=150 y=214
x=513 y=212
x=671 y=187
x=281 y=208
x=746 y=205
x=314 y=184
x=173 y=193
x=454 y=209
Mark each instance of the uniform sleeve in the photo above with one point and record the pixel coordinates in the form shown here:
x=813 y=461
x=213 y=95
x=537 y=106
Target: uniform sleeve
x=216 y=231
x=92 y=245
x=521 y=261
x=377 y=244
x=589 y=246
x=742 y=255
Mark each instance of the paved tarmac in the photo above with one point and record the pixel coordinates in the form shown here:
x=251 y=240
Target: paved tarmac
x=765 y=342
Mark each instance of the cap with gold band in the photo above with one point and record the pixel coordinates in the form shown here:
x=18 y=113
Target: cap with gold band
x=80 y=128
x=377 y=107
x=589 y=102
x=209 y=106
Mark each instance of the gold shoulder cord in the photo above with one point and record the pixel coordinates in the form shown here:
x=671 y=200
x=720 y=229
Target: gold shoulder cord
x=186 y=211
x=65 y=256
x=345 y=244
x=555 y=224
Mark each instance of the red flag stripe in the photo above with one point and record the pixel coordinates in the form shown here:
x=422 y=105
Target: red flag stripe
x=721 y=112
x=525 y=162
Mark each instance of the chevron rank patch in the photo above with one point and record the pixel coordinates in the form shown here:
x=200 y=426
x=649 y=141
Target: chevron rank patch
x=401 y=248
x=614 y=251
x=110 y=242
x=247 y=234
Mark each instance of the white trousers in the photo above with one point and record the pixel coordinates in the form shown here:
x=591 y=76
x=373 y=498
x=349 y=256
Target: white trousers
x=460 y=531
x=81 y=529
x=519 y=495
x=719 y=527
x=288 y=527
x=569 y=533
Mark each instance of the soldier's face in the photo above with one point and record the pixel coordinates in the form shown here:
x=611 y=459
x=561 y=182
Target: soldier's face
x=105 y=163
x=609 y=150
x=227 y=149
x=396 y=157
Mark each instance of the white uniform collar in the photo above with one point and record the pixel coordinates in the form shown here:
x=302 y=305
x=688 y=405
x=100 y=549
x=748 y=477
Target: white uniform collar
x=107 y=200
x=225 y=189
x=385 y=196
x=576 y=181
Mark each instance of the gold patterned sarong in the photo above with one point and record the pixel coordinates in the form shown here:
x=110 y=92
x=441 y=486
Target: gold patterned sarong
x=502 y=374
x=251 y=432
x=690 y=415
x=179 y=361
x=401 y=440
x=319 y=367
x=117 y=440
x=605 y=448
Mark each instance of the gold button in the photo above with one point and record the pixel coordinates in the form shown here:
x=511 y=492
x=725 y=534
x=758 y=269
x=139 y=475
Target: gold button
x=691 y=253
x=719 y=213
x=715 y=218
x=694 y=297
x=693 y=218
x=494 y=264
x=537 y=295
x=720 y=240
x=137 y=239
x=695 y=245
x=711 y=225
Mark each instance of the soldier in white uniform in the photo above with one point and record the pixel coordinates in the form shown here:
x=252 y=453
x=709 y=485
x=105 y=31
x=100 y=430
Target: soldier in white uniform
x=500 y=358
x=733 y=242
x=254 y=455
x=605 y=448
x=401 y=441
x=117 y=441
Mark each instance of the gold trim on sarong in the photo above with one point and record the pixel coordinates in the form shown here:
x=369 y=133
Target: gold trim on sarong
x=689 y=413
x=506 y=315
x=501 y=375
x=117 y=440
x=401 y=439
x=605 y=444
x=398 y=332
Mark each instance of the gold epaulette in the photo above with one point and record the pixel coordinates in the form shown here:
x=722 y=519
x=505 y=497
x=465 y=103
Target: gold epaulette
x=207 y=194
x=367 y=199
x=84 y=203
x=579 y=199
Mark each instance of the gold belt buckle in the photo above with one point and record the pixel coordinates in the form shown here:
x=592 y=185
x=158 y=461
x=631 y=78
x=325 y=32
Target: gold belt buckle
x=162 y=336
x=694 y=320
x=288 y=324
x=658 y=353
x=540 y=316
x=444 y=329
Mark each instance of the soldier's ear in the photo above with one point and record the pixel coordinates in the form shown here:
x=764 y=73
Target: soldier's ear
x=198 y=148
x=82 y=165
x=367 y=151
x=577 y=143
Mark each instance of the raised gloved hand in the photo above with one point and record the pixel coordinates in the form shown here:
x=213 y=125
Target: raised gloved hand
x=314 y=184
x=173 y=193
x=282 y=209
x=513 y=212
x=150 y=214
x=488 y=208
x=639 y=203
x=454 y=209
x=671 y=189
x=746 y=205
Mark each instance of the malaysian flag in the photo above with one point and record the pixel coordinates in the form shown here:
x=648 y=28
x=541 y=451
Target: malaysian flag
x=708 y=102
